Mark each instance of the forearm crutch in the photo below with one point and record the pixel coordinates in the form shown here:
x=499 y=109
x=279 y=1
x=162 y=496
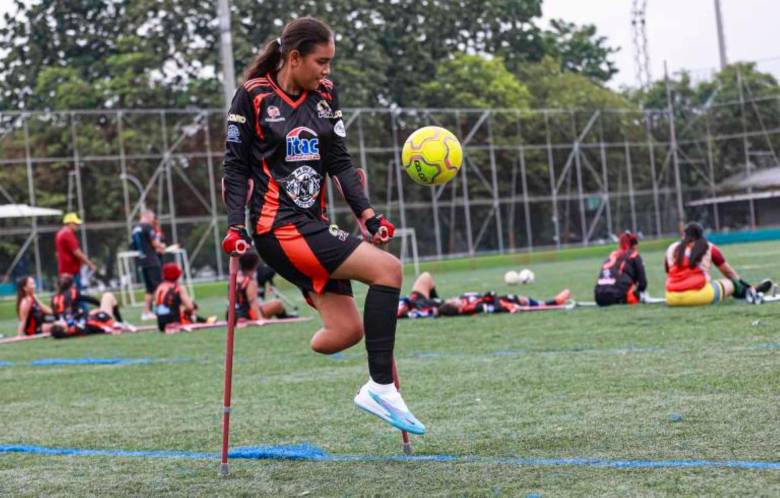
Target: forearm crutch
x=241 y=247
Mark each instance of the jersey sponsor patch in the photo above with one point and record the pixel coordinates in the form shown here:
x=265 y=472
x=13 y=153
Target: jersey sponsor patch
x=339 y=129
x=303 y=186
x=302 y=145
x=233 y=134
x=236 y=118
x=325 y=111
x=338 y=233
x=273 y=115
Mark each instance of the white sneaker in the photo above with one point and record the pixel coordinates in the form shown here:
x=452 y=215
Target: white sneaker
x=384 y=401
x=148 y=315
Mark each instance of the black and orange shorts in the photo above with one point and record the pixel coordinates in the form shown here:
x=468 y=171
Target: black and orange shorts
x=306 y=253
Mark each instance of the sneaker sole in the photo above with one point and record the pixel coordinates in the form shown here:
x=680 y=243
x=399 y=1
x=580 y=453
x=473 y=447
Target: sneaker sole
x=398 y=424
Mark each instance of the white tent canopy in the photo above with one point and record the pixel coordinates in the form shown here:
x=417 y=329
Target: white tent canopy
x=25 y=211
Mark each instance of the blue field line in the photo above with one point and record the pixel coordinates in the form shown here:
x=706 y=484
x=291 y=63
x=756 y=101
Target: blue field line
x=307 y=452
x=59 y=362
x=49 y=362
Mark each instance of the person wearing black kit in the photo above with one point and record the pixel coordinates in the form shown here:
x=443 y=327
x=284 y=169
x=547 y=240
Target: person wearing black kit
x=285 y=134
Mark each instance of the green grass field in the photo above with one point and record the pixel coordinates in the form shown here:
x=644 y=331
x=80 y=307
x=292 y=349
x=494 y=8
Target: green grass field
x=633 y=384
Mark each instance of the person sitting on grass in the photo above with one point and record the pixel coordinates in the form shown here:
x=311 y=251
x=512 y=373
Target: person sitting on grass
x=172 y=302
x=424 y=302
x=248 y=305
x=688 y=264
x=622 y=278
x=34 y=316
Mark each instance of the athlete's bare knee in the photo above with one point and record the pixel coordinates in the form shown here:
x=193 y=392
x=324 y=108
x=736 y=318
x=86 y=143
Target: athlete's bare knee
x=391 y=272
x=327 y=341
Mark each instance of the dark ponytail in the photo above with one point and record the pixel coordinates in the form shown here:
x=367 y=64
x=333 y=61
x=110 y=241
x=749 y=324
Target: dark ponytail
x=301 y=34
x=694 y=234
x=21 y=283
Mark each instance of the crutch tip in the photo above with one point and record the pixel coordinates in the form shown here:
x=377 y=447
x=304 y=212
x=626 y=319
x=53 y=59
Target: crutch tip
x=224 y=470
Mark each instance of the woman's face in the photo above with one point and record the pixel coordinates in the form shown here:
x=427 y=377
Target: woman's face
x=29 y=286
x=310 y=69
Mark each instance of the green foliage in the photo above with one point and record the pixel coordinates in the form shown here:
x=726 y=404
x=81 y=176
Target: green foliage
x=580 y=50
x=165 y=53
x=554 y=88
x=474 y=81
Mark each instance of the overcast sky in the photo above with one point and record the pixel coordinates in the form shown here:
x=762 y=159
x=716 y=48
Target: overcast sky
x=681 y=32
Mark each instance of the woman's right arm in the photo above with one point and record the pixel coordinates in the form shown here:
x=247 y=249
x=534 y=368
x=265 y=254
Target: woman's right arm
x=238 y=155
x=24 y=312
x=45 y=309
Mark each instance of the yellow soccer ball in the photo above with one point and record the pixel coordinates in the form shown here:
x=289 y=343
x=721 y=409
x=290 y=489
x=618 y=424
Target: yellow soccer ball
x=432 y=156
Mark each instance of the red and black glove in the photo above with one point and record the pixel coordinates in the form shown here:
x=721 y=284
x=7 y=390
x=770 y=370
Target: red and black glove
x=380 y=228
x=237 y=241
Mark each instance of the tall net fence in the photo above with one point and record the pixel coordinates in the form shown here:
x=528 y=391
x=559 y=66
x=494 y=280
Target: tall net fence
x=530 y=179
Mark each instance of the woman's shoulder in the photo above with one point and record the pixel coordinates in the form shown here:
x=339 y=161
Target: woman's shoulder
x=255 y=83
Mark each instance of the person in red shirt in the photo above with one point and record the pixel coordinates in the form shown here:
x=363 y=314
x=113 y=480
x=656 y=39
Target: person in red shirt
x=70 y=257
x=688 y=264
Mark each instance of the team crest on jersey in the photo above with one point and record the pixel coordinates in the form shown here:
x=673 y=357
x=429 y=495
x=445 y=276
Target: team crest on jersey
x=302 y=145
x=233 y=134
x=324 y=110
x=303 y=186
x=273 y=114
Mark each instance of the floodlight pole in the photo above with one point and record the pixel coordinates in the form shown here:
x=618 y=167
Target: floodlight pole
x=226 y=51
x=673 y=145
x=721 y=35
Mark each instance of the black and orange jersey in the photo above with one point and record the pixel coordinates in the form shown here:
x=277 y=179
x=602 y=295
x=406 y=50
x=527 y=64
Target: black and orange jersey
x=168 y=305
x=67 y=305
x=34 y=320
x=286 y=145
x=623 y=270
x=243 y=306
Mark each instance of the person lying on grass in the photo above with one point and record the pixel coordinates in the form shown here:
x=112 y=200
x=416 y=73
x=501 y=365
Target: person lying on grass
x=172 y=303
x=688 y=264
x=248 y=305
x=424 y=301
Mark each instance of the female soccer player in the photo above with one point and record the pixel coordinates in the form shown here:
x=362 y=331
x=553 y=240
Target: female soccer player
x=622 y=278
x=688 y=263
x=424 y=301
x=285 y=134
x=34 y=316
x=248 y=305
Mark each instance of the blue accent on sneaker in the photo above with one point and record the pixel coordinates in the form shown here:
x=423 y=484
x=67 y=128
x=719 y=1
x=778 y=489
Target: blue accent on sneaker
x=404 y=421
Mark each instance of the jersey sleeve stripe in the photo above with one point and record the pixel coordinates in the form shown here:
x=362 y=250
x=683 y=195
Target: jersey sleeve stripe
x=257 y=102
x=270 y=204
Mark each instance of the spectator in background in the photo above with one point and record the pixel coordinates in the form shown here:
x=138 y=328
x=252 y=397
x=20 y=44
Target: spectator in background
x=147 y=242
x=70 y=257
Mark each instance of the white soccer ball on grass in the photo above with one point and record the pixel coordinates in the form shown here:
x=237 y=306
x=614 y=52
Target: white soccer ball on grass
x=526 y=276
x=511 y=277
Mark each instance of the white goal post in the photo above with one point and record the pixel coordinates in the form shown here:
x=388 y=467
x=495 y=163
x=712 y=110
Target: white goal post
x=125 y=262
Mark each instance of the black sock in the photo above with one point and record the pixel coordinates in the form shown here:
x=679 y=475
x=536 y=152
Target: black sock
x=433 y=294
x=117 y=314
x=379 y=319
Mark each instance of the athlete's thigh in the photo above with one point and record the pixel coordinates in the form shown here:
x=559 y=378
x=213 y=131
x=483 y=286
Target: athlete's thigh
x=367 y=264
x=337 y=311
